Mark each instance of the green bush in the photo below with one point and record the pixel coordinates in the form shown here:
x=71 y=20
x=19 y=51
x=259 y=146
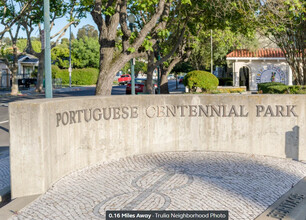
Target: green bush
x=202 y=79
x=87 y=76
x=55 y=70
x=264 y=87
x=226 y=81
x=280 y=88
x=297 y=89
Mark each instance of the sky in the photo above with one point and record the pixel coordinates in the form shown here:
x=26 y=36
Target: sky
x=59 y=24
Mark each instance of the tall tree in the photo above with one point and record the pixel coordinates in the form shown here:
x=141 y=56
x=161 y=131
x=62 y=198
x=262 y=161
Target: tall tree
x=10 y=58
x=11 y=15
x=12 y=11
x=201 y=16
x=283 y=22
x=110 y=14
x=224 y=41
x=58 y=9
x=166 y=30
x=87 y=31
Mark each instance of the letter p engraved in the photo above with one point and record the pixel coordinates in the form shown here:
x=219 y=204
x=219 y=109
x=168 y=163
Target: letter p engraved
x=58 y=119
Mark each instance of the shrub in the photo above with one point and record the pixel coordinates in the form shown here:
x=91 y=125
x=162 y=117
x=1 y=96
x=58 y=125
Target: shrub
x=201 y=79
x=264 y=87
x=280 y=88
x=55 y=70
x=87 y=76
x=297 y=89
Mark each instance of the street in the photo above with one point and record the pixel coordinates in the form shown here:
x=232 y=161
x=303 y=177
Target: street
x=61 y=93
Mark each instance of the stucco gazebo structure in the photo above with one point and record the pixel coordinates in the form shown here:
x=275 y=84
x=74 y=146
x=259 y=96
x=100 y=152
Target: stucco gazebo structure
x=263 y=65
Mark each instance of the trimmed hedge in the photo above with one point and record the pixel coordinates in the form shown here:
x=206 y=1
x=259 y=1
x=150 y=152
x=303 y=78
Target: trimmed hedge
x=87 y=76
x=280 y=88
x=201 y=79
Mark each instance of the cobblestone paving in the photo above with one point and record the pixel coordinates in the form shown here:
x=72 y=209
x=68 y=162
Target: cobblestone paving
x=243 y=184
x=4 y=170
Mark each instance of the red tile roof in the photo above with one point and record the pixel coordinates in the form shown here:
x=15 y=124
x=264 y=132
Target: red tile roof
x=257 y=53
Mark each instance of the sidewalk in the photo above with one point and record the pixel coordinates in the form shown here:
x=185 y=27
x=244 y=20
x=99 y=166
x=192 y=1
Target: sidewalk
x=245 y=185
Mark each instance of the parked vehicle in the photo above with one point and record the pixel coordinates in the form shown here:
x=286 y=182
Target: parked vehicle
x=171 y=76
x=118 y=75
x=26 y=82
x=124 y=79
x=181 y=79
x=140 y=84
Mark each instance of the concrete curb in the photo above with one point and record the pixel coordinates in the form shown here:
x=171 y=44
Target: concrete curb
x=291 y=205
x=15 y=206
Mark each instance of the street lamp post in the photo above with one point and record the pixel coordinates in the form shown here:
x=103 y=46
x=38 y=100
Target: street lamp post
x=132 y=19
x=48 y=78
x=158 y=69
x=70 y=68
x=211 y=53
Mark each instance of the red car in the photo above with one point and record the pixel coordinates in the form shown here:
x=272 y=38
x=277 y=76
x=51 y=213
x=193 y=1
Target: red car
x=139 y=86
x=124 y=79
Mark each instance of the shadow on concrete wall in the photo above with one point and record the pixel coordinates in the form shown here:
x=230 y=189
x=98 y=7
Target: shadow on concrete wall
x=292 y=143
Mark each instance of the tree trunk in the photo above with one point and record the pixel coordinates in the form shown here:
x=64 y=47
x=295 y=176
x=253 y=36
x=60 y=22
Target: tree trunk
x=164 y=89
x=105 y=82
x=108 y=67
x=106 y=77
x=40 y=72
x=151 y=67
x=14 y=69
x=14 y=88
x=165 y=73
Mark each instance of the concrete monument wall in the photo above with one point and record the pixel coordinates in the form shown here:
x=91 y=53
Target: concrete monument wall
x=52 y=137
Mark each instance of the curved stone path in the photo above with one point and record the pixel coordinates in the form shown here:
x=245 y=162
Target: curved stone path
x=245 y=185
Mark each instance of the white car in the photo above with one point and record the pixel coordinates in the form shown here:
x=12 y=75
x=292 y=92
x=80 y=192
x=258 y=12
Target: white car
x=171 y=77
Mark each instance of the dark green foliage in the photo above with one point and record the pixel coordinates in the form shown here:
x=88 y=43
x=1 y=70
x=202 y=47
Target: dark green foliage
x=86 y=76
x=60 y=55
x=183 y=67
x=226 y=81
x=55 y=71
x=280 y=88
x=264 y=87
x=85 y=53
x=201 y=79
x=87 y=31
x=297 y=89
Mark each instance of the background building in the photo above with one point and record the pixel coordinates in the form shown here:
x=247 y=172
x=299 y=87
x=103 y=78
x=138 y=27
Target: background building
x=26 y=69
x=263 y=65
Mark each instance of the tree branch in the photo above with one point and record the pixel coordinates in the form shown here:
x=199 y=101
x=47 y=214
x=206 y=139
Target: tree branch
x=148 y=27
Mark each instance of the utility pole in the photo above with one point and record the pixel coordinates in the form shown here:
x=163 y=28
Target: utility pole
x=158 y=69
x=211 y=53
x=70 y=67
x=132 y=19
x=48 y=74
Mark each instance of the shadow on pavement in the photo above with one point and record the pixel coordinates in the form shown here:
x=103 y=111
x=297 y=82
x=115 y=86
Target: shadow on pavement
x=256 y=181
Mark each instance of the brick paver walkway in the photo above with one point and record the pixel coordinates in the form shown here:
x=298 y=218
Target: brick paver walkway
x=243 y=184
